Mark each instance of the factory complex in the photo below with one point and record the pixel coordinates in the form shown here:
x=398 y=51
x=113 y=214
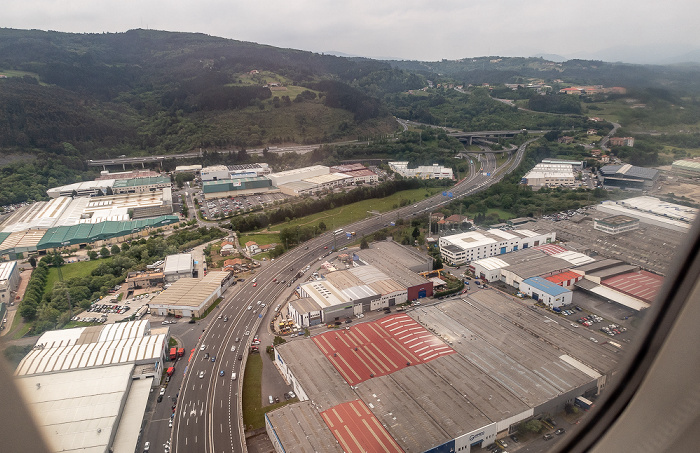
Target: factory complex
x=88 y=212
x=455 y=376
x=229 y=181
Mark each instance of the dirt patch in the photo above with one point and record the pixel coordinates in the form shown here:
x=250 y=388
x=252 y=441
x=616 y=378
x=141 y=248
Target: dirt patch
x=680 y=187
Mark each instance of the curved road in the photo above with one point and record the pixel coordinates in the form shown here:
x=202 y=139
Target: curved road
x=208 y=414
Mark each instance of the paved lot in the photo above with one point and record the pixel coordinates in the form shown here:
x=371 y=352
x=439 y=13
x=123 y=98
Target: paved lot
x=650 y=247
x=234 y=205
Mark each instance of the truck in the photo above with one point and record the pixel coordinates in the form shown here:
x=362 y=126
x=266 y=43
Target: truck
x=181 y=352
x=170 y=371
x=173 y=353
x=583 y=403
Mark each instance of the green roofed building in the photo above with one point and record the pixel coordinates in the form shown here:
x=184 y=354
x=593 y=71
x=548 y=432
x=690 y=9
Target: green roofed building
x=237 y=187
x=87 y=232
x=139 y=185
x=686 y=167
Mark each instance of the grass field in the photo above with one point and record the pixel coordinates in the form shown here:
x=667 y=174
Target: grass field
x=504 y=215
x=71 y=270
x=253 y=411
x=338 y=217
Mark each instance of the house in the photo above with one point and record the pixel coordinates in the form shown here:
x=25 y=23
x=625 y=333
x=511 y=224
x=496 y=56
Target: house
x=235 y=265
x=267 y=247
x=252 y=247
x=571 y=90
x=622 y=141
x=227 y=248
x=456 y=220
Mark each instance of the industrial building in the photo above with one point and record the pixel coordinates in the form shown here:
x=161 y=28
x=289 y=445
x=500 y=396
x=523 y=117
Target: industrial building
x=141 y=185
x=453 y=377
x=474 y=245
x=577 y=165
x=616 y=224
x=189 y=297
x=686 y=167
x=545 y=291
x=628 y=177
x=434 y=171
x=9 y=280
x=550 y=175
x=178 y=266
x=65 y=220
x=88 y=387
x=543 y=261
x=237 y=187
x=652 y=211
x=98 y=346
x=224 y=172
x=144 y=279
x=297 y=174
x=358 y=172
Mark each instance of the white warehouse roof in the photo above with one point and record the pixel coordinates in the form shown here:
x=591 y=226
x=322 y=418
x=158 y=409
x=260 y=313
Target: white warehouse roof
x=178 y=263
x=78 y=411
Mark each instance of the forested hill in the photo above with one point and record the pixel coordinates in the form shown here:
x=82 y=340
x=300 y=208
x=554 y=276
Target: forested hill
x=146 y=91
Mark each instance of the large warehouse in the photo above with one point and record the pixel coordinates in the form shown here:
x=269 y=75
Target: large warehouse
x=191 y=296
x=237 y=187
x=652 y=211
x=9 y=280
x=550 y=175
x=89 y=386
x=473 y=245
x=628 y=177
x=434 y=171
x=437 y=379
x=297 y=174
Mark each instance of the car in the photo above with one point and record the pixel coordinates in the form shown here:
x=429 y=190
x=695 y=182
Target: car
x=240 y=357
x=170 y=423
x=560 y=431
x=146 y=446
x=325 y=247
x=291 y=394
x=547 y=436
x=225 y=318
x=201 y=374
x=250 y=307
x=220 y=316
x=255 y=284
x=247 y=332
x=237 y=340
x=202 y=348
x=221 y=373
x=160 y=398
x=162 y=391
x=514 y=438
x=274 y=280
x=213 y=358
x=233 y=348
x=233 y=376
x=271 y=399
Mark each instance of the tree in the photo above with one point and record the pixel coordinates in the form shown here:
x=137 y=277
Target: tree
x=115 y=249
x=437 y=264
x=125 y=247
x=364 y=244
x=104 y=252
x=416 y=233
x=322 y=226
x=57 y=259
x=32 y=261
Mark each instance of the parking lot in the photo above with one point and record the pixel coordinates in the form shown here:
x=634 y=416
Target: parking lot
x=224 y=207
x=109 y=309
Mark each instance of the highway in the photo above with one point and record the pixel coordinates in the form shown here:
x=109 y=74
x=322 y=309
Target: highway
x=208 y=413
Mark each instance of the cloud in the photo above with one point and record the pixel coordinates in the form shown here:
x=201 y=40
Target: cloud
x=410 y=29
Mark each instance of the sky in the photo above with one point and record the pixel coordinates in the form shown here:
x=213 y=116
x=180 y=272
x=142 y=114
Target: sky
x=407 y=29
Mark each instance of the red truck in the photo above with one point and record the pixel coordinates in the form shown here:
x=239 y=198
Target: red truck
x=181 y=352
x=173 y=353
x=170 y=371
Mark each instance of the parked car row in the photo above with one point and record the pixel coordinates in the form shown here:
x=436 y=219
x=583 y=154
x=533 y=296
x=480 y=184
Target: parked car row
x=109 y=308
x=89 y=319
x=589 y=320
x=613 y=329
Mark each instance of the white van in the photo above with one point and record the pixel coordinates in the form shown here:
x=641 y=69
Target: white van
x=233 y=376
x=271 y=399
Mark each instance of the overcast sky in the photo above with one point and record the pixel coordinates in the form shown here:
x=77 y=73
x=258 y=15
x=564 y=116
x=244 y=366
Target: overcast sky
x=408 y=29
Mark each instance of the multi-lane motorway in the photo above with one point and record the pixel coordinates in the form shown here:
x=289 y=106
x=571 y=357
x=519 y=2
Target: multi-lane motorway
x=208 y=414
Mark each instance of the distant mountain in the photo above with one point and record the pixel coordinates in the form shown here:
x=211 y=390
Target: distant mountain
x=657 y=54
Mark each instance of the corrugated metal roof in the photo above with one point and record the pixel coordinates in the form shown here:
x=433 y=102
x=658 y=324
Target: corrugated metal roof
x=545 y=285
